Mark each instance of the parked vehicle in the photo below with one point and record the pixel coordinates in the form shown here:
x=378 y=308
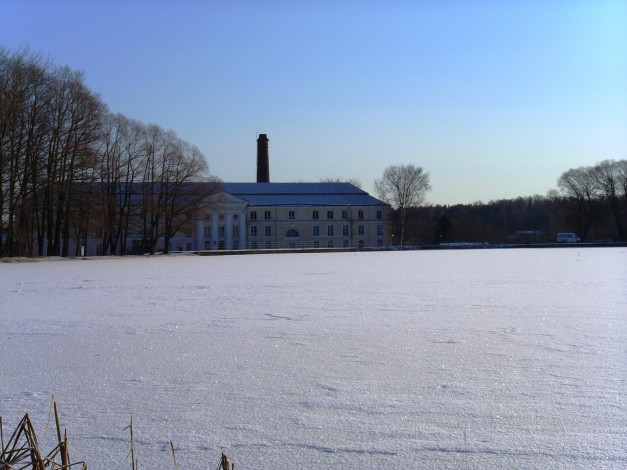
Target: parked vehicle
x=568 y=237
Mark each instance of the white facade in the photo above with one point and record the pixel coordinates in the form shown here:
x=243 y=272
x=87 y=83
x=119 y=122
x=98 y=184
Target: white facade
x=232 y=223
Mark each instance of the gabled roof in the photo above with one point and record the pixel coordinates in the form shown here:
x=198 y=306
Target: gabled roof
x=301 y=194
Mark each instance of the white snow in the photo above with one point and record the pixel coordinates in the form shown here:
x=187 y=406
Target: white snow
x=480 y=359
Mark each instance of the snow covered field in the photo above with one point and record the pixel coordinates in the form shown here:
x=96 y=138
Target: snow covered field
x=429 y=359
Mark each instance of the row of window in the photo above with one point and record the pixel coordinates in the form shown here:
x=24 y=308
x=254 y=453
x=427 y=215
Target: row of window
x=267 y=231
x=269 y=245
x=267 y=215
x=316 y=244
x=222 y=231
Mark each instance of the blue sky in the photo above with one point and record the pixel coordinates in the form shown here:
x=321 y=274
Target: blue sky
x=495 y=99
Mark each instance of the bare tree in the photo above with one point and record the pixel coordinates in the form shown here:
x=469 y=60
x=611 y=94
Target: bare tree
x=47 y=126
x=403 y=186
x=183 y=198
x=580 y=191
x=134 y=136
x=156 y=148
x=24 y=96
x=169 y=200
x=120 y=158
x=608 y=175
x=75 y=118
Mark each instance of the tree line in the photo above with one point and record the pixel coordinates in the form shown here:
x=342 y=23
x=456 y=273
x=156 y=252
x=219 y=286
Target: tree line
x=71 y=170
x=590 y=201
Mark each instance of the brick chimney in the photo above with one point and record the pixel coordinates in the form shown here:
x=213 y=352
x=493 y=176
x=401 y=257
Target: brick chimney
x=263 y=159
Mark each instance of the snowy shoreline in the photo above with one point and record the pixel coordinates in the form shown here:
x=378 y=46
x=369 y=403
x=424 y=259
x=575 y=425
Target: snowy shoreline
x=450 y=246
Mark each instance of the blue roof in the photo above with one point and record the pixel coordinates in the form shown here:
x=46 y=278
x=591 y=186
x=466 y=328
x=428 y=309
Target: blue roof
x=301 y=194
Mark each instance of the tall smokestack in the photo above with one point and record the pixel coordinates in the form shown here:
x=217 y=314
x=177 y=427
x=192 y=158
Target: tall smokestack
x=263 y=159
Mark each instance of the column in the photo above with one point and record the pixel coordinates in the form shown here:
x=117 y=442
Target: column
x=243 y=235
x=200 y=239
x=229 y=231
x=214 y=230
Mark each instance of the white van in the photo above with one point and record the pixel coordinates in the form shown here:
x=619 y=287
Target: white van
x=567 y=237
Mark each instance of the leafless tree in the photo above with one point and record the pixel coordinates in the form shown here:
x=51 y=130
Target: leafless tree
x=580 y=190
x=74 y=115
x=24 y=96
x=183 y=198
x=610 y=177
x=121 y=151
x=403 y=186
x=168 y=199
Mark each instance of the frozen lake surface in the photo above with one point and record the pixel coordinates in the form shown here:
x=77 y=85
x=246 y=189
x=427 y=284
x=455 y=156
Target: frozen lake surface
x=478 y=359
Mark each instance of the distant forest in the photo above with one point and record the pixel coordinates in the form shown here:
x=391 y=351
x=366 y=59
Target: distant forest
x=590 y=201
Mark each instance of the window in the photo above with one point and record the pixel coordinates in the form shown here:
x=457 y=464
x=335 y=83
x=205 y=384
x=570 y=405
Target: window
x=344 y=214
x=316 y=231
x=345 y=243
x=360 y=215
x=267 y=215
x=379 y=215
x=207 y=232
x=316 y=244
x=291 y=215
x=329 y=214
x=236 y=244
x=221 y=231
x=268 y=245
x=188 y=246
x=315 y=215
x=330 y=231
x=253 y=230
x=207 y=245
x=330 y=244
x=235 y=231
x=360 y=229
x=253 y=245
x=380 y=230
x=267 y=230
x=253 y=215
x=345 y=230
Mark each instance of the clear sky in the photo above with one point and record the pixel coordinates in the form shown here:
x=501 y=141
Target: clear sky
x=495 y=99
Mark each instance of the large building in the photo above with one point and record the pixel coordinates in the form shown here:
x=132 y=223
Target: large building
x=265 y=215
x=292 y=215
